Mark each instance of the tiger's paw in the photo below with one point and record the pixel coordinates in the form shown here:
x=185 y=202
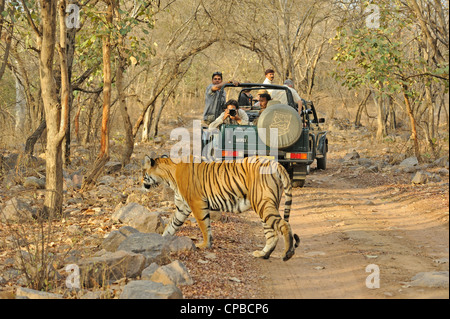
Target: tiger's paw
x=260 y=254
x=203 y=245
x=288 y=255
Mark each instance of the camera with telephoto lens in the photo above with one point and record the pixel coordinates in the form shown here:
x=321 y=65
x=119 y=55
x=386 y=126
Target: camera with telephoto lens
x=232 y=112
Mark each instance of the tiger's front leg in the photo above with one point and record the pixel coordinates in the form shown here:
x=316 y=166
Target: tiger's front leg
x=182 y=212
x=201 y=214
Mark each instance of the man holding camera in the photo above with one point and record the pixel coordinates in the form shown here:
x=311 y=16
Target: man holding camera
x=232 y=115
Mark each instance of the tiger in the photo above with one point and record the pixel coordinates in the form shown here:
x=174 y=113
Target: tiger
x=227 y=186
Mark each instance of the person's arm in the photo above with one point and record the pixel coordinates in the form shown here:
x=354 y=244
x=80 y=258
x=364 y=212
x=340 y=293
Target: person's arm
x=218 y=121
x=243 y=117
x=217 y=87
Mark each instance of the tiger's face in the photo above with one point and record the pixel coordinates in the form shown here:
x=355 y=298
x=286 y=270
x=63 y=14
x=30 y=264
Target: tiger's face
x=150 y=176
x=157 y=171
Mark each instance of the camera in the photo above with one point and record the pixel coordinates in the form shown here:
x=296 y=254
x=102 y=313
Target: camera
x=232 y=112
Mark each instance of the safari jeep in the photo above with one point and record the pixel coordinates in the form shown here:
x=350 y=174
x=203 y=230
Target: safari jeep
x=281 y=132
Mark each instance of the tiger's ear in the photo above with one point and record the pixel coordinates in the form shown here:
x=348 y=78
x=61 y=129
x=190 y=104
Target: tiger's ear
x=148 y=161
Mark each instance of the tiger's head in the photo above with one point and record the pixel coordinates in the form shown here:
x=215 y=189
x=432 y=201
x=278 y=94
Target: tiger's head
x=154 y=172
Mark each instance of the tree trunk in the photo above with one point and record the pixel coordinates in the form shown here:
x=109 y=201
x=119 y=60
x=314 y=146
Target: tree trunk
x=361 y=107
x=381 y=128
x=103 y=156
x=412 y=120
x=55 y=114
x=128 y=127
x=32 y=139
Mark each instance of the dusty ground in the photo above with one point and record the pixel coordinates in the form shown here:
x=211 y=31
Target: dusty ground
x=345 y=224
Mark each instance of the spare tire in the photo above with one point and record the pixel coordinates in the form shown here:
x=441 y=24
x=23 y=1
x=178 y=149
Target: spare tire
x=284 y=118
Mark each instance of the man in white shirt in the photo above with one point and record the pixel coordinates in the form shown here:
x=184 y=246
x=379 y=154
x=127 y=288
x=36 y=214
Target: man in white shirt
x=281 y=96
x=232 y=115
x=270 y=75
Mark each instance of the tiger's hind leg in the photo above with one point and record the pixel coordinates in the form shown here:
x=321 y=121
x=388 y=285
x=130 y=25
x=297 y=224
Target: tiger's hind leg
x=271 y=242
x=274 y=221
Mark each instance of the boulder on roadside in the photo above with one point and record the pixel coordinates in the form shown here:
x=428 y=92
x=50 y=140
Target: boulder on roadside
x=116 y=237
x=174 y=273
x=151 y=245
x=16 y=210
x=139 y=217
x=26 y=293
x=155 y=247
x=109 y=267
x=147 y=273
x=34 y=182
x=410 y=161
x=420 y=178
x=147 y=289
x=352 y=155
x=112 y=167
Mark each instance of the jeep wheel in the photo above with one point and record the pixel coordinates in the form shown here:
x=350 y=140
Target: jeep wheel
x=298 y=183
x=322 y=162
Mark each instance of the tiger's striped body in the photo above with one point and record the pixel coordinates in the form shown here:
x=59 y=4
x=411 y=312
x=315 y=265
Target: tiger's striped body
x=227 y=186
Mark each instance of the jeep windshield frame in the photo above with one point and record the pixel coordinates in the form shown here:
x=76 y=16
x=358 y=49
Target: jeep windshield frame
x=255 y=87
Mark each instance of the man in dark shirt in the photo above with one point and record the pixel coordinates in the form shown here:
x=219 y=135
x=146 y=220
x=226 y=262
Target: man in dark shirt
x=211 y=94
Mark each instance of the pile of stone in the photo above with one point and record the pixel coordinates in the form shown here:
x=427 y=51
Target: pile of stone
x=138 y=254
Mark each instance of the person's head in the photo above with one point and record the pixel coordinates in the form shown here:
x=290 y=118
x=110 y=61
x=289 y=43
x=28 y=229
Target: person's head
x=217 y=78
x=289 y=83
x=232 y=105
x=264 y=99
x=270 y=74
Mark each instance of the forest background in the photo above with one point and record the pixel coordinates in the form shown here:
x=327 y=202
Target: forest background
x=93 y=73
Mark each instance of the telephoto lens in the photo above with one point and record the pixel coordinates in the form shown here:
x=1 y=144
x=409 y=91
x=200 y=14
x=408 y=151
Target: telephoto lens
x=233 y=112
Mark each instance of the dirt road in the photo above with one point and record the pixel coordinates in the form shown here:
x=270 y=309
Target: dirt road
x=345 y=224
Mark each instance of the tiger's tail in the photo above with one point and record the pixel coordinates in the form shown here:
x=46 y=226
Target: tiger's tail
x=286 y=180
x=287 y=186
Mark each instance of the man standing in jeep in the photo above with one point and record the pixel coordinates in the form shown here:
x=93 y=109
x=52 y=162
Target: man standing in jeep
x=212 y=93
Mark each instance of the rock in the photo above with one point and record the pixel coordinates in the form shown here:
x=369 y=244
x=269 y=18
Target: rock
x=77 y=180
x=353 y=155
x=440 y=162
x=410 y=161
x=116 y=237
x=147 y=289
x=175 y=273
x=110 y=267
x=180 y=244
x=153 y=246
x=16 y=210
x=234 y=279
x=139 y=217
x=26 y=293
x=420 y=178
x=106 y=180
x=437 y=279
x=112 y=167
x=34 y=182
x=148 y=272
x=365 y=162
x=443 y=172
